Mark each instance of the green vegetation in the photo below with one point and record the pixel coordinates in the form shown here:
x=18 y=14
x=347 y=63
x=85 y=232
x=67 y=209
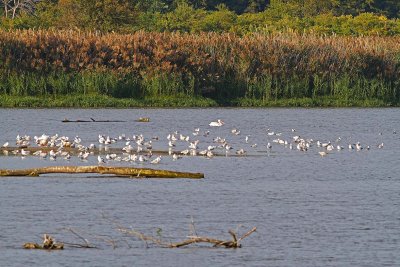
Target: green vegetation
x=186 y=69
x=128 y=53
x=343 y=17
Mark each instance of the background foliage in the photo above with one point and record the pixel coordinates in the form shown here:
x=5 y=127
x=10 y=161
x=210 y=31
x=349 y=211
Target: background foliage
x=344 y=17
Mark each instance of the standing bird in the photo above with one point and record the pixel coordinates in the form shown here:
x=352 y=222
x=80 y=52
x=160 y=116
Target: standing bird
x=156 y=160
x=100 y=160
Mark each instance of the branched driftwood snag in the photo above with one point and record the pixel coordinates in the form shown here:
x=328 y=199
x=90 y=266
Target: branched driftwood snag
x=234 y=243
x=192 y=239
x=119 y=171
x=75 y=233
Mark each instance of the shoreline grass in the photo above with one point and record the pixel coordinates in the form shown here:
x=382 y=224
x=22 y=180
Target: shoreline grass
x=73 y=69
x=103 y=101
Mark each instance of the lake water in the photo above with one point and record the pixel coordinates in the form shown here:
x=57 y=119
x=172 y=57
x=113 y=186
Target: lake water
x=339 y=210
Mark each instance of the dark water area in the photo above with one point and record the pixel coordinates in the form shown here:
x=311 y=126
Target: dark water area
x=342 y=209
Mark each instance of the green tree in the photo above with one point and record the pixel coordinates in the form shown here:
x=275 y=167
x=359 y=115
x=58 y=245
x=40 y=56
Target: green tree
x=221 y=20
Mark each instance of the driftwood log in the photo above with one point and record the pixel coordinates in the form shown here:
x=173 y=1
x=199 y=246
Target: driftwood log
x=119 y=171
x=48 y=243
x=91 y=120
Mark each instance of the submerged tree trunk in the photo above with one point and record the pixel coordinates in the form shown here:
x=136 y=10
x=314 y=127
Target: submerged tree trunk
x=119 y=171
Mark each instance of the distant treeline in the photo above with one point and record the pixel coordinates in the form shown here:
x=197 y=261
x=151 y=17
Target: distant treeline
x=341 y=17
x=223 y=67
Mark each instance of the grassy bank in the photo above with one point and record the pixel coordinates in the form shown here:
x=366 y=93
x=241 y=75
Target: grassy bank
x=170 y=69
x=103 y=101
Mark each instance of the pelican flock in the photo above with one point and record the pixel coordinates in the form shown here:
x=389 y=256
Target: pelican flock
x=176 y=145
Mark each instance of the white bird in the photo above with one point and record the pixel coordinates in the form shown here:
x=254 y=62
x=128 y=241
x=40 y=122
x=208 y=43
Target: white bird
x=247 y=139
x=269 y=146
x=193 y=145
x=185 y=152
x=53 y=155
x=323 y=153
x=358 y=146
x=142 y=158
x=156 y=160
x=25 y=152
x=240 y=152
x=175 y=157
x=209 y=154
x=171 y=143
x=329 y=147
x=5 y=145
x=83 y=156
x=217 y=123
x=100 y=160
x=203 y=152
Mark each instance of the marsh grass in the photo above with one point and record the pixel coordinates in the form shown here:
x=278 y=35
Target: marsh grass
x=206 y=69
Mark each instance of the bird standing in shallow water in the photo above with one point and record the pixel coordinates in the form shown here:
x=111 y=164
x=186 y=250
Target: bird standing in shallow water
x=100 y=160
x=156 y=160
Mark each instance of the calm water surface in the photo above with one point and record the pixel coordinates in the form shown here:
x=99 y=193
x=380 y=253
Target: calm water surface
x=338 y=210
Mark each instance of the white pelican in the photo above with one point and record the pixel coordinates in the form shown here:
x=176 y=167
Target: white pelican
x=323 y=153
x=217 y=123
x=5 y=145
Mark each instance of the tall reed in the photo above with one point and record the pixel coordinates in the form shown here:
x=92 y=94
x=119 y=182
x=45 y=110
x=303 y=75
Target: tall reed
x=223 y=67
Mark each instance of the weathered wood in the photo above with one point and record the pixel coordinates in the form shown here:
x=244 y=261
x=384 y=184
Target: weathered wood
x=91 y=120
x=48 y=243
x=120 y=171
x=234 y=243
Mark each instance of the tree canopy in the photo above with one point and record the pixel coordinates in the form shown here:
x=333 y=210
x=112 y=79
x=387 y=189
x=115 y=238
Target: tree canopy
x=240 y=16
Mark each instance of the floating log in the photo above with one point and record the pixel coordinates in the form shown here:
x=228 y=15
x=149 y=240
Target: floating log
x=119 y=171
x=143 y=119
x=48 y=243
x=91 y=120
